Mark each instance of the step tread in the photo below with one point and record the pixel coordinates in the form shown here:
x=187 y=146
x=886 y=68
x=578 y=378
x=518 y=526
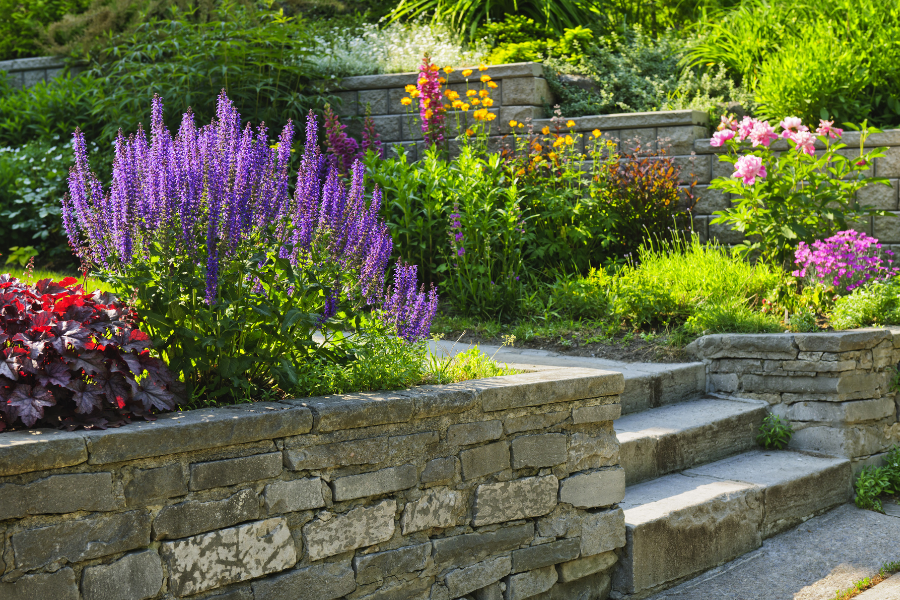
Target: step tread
x=766 y=468
x=674 y=418
x=658 y=498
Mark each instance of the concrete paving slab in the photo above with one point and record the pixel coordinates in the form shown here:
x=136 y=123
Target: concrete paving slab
x=889 y=589
x=810 y=562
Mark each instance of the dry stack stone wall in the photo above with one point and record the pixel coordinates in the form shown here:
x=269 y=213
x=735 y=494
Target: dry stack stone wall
x=25 y=72
x=505 y=488
x=835 y=388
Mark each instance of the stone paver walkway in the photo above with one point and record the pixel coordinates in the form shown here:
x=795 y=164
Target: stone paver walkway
x=810 y=562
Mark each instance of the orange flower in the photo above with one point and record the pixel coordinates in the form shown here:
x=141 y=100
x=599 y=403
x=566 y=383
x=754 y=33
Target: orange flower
x=559 y=142
x=410 y=89
x=471 y=93
x=481 y=114
x=469 y=132
x=513 y=123
x=441 y=80
x=487 y=102
x=446 y=107
x=428 y=114
x=545 y=130
x=570 y=124
x=415 y=93
x=485 y=78
x=426 y=102
x=492 y=85
x=406 y=101
x=434 y=67
x=467 y=72
x=596 y=133
x=536 y=147
x=491 y=116
x=464 y=107
x=457 y=104
x=422 y=81
x=484 y=93
x=569 y=140
x=482 y=67
x=448 y=69
x=475 y=101
x=452 y=95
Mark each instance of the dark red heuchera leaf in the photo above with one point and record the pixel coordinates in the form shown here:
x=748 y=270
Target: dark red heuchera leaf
x=72 y=359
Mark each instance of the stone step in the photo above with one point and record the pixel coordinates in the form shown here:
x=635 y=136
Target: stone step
x=683 y=524
x=672 y=438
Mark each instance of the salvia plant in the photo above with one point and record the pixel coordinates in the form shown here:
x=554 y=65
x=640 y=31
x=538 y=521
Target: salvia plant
x=231 y=274
x=845 y=261
x=72 y=359
x=787 y=192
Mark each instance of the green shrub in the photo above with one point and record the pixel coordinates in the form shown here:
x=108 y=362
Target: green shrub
x=22 y=23
x=775 y=433
x=467 y=365
x=875 y=481
x=876 y=303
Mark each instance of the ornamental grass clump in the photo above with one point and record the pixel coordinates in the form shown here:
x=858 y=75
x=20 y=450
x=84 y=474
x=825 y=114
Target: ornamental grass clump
x=846 y=261
x=71 y=359
x=230 y=273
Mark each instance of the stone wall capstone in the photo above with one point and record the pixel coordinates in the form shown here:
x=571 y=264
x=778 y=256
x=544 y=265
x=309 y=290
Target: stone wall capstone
x=437 y=492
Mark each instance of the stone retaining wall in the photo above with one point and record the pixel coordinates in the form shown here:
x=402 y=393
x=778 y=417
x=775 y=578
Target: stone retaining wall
x=25 y=72
x=835 y=388
x=503 y=488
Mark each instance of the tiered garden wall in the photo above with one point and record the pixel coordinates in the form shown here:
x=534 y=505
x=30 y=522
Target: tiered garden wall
x=505 y=487
x=835 y=388
x=25 y=72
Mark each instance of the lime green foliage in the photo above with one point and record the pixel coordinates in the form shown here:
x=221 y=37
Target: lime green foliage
x=467 y=365
x=875 y=481
x=803 y=321
x=825 y=59
x=775 y=433
x=876 y=303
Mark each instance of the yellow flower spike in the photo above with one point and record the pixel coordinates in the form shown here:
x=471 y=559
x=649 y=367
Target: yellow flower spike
x=406 y=101
x=513 y=123
x=448 y=69
x=485 y=78
x=467 y=72
x=484 y=93
x=410 y=89
x=596 y=133
x=482 y=67
x=471 y=93
x=570 y=124
x=545 y=130
x=487 y=102
x=492 y=85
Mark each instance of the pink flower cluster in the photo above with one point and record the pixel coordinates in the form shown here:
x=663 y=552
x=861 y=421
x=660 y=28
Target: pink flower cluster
x=431 y=107
x=760 y=133
x=846 y=260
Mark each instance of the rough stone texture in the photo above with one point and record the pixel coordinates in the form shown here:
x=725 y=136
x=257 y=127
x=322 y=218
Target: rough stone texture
x=592 y=587
x=588 y=565
x=471 y=547
x=357 y=528
x=376 y=567
x=542 y=388
x=221 y=473
x=159 y=483
x=596 y=414
x=211 y=560
x=474 y=433
x=507 y=501
x=439 y=508
x=290 y=496
x=374 y=484
x=440 y=469
x=593 y=490
x=81 y=539
x=468 y=579
x=42 y=586
x=58 y=494
x=527 y=585
x=192 y=517
x=484 y=460
x=540 y=421
x=843 y=412
x=544 y=555
x=35 y=450
x=544 y=450
x=415 y=589
x=133 y=577
x=602 y=532
x=325 y=581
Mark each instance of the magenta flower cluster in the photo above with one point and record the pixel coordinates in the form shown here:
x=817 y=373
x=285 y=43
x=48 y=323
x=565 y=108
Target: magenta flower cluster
x=431 y=107
x=219 y=193
x=344 y=148
x=846 y=261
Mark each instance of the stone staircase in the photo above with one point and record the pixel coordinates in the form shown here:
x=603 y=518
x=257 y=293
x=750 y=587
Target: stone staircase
x=701 y=493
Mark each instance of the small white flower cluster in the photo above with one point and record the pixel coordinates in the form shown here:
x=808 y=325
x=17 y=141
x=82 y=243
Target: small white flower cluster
x=394 y=48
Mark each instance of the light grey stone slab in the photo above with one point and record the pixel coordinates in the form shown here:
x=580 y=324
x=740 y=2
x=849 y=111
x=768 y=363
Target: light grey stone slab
x=594 y=489
x=294 y=495
x=193 y=517
x=58 y=494
x=326 y=581
x=351 y=411
x=775 y=346
x=602 y=531
x=381 y=565
x=360 y=527
x=484 y=460
x=843 y=412
x=441 y=508
x=585 y=566
x=159 y=483
x=42 y=586
x=380 y=482
x=39 y=450
x=544 y=450
x=231 y=471
x=596 y=414
x=474 y=433
x=440 y=469
x=547 y=387
x=468 y=579
x=511 y=500
x=210 y=560
x=133 y=577
x=531 y=583
x=544 y=555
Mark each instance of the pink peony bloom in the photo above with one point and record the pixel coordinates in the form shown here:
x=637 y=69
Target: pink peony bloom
x=762 y=134
x=720 y=137
x=805 y=142
x=826 y=128
x=792 y=125
x=749 y=168
x=726 y=122
x=745 y=127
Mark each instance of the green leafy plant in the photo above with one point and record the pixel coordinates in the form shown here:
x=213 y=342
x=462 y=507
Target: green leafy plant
x=774 y=433
x=803 y=321
x=466 y=365
x=23 y=21
x=875 y=481
x=886 y=570
x=875 y=303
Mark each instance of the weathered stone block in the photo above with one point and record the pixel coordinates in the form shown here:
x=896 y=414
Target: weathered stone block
x=133 y=577
x=381 y=565
x=843 y=412
x=532 y=583
x=369 y=451
x=474 y=433
x=544 y=450
x=357 y=528
x=548 y=387
x=468 y=579
x=595 y=489
x=526 y=91
x=540 y=421
x=724 y=382
x=440 y=469
x=592 y=450
x=819 y=366
x=211 y=560
x=192 y=517
x=710 y=200
x=588 y=565
x=880 y=196
x=471 y=547
x=843 y=341
x=291 y=496
x=850 y=441
x=510 y=500
x=325 y=581
x=544 y=555
x=889 y=165
x=596 y=414
x=347 y=104
x=377 y=100
x=679 y=139
x=42 y=586
x=40 y=449
x=484 y=460
x=602 y=532
x=380 y=482
x=222 y=473
x=81 y=539
x=351 y=411
x=769 y=346
x=841 y=384
x=440 y=508
x=414 y=589
x=58 y=494
x=491 y=592
x=160 y=483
